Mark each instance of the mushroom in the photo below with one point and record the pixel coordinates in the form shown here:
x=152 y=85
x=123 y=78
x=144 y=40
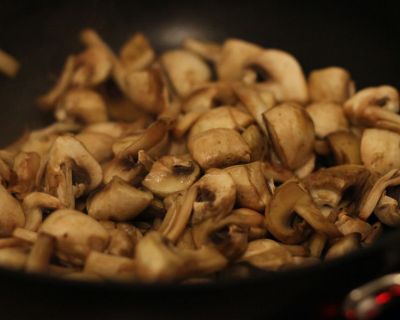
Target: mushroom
x=289 y=199
x=375 y=107
x=380 y=150
x=222 y=117
x=171 y=174
x=345 y=147
x=34 y=204
x=13 y=258
x=256 y=142
x=185 y=70
x=219 y=147
x=382 y=199
x=216 y=195
x=278 y=72
x=327 y=117
x=375 y=234
x=117 y=130
x=184 y=123
x=291 y=132
x=267 y=254
x=71 y=171
x=110 y=267
x=121 y=243
x=158 y=261
x=252 y=190
x=343 y=246
x=81 y=105
x=208 y=50
x=347 y=225
x=41 y=253
x=118 y=201
x=136 y=53
x=76 y=234
x=233 y=58
x=99 y=145
x=8 y=64
x=306 y=168
x=5 y=168
x=11 y=213
x=332 y=84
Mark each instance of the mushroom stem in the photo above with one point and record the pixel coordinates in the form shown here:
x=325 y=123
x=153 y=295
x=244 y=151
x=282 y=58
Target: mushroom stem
x=25 y=235
x=39 y=257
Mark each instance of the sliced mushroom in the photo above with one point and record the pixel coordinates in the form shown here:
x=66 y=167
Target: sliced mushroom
x=99 y=145
x=327 y=117
x=345 y=147
x=375 y=107
x=171 y=174
x=291 y=131
x=34 y=204
x=278 y=72
x=289 y=199
x=82 y=105
x=41 y=253
x=256 y=142
x=267 y=254
x=13 y=258
x=208 y=50
x=76 y=234
x=332 y=84
x=219 y=147
x=252 y=190
x=117 y=130
x=375 y=234
x=11 y=213
x=185 y=70
x=71 y=171
x=8 y=64
x=216 y=195
x=380 y=150
x=158 y=261
x=233 y=58
x=344 y=245
x=347 y=225
x=137 y=53
x=118 y=201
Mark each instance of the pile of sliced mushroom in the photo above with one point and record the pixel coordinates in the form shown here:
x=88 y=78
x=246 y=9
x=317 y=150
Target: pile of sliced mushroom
x=175 y=168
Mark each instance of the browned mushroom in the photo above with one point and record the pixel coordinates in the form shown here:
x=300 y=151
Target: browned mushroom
x=210 y=51
x=13 y=258
x=8 y=64
x=99 y=145
x=344 y=246
x=137 y=53
x=345 y=147
x=11 y=213
x=347 y=225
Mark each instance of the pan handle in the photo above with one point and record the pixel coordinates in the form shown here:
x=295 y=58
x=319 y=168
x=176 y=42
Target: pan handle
x=368 y=300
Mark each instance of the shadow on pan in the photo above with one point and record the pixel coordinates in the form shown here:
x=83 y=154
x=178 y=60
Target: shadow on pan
x=356 y=36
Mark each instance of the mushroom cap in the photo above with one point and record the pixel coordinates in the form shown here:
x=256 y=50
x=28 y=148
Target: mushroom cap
x=136 y=53
x=292 y=134
x=284 y=75
x=118 y=201
x=76 y=233
x=219 y=147
x=327 y=117
x=345 y=147
x=380 y=150
x=11 y=214
x=332 y=84
x=171 y=174
x=185 y=70
x=216 y=195
x=99 y=145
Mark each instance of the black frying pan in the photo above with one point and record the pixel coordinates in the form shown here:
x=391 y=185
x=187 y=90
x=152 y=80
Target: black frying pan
x=356 y=36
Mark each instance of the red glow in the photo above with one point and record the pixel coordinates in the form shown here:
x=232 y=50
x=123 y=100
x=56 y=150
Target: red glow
x=395 y=290
x=383 y=298
x=329 y=311
x=350 y=314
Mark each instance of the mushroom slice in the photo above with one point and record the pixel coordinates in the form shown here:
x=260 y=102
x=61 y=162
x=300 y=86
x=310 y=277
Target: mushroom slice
x=291 y=132
x=380 y=150
x=291 y=198
x=348 y=225
x=184 y=123
x=375 y=107
x=158 y=261
x=13 y=258
x=117 y=130
x=185 y=70
x=137 y=53
x=233 y=58
x=118 y=201
x=256 y=142
x=99 y=145
x=332 y=84
x=382 y=199
x=216 y=195
x=344 y=245
x=82 y=105
x=76 y=233
x=26 y=170
x=8 y=64
x=276 y=172
x=208 y=50
x=110 y=267
x=306 y=168
x=267 y=254
x=219 y=147
x=34 y=204
x=121 y=243
x=252 y=190
x=11 y=213
x=278 y=72
x=375 y=234
x=222 y=117
x=345 y=147
x=327 y=117
x=41 y=253
x=71 y=171
x=171 y=174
